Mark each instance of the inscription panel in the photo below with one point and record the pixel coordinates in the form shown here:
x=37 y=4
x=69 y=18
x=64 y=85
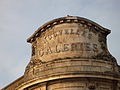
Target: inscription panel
x=68 y=40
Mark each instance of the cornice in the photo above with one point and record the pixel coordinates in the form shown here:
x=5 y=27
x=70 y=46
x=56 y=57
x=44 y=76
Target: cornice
x=68 y=19
x=99 y=75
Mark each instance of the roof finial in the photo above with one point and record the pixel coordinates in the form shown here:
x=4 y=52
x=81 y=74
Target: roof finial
x=68 y=15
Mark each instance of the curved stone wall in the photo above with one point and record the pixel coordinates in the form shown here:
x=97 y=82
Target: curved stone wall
x=69 y=66
x=71 y=39
x=70 y=47
x=76 y=84
x=69 y=53
x=81 y=84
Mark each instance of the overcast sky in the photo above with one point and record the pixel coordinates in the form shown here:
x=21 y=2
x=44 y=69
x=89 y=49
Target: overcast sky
x=20 y=18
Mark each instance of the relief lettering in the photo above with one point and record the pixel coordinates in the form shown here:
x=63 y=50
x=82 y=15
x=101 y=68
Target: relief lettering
x=66 y=31
x=49 y=37
x=48 y=51
x=80 y=46
x=57 y=50
x=77 y=46
x=44 y=40
x=95 y=47
x=40 y=53
x=66 y=47
x=60 y=32
x=88 y=47
x=89 y=36
x=63 y=44
x=55 y=34
x=84 y=33
x=72 y=31
x=73 y=47
x=78 y=32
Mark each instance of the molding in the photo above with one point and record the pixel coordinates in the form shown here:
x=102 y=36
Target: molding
x=63 y=76
x=69 y=19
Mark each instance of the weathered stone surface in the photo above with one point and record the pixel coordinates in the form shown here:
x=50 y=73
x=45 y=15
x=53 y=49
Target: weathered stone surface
x=71 y=39
x=70 y=53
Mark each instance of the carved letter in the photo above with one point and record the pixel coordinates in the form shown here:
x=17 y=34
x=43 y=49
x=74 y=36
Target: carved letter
x=78 y=32
x=71 y=31
x=95 y=47
x=73 y=47
x=87 y=47
x=89 y=36
x=48 y=51
x=56 y=49
x=66 y=47
x=66 y=31
x=41 y=53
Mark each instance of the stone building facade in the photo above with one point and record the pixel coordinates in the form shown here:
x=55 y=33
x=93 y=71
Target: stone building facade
x=69 y=53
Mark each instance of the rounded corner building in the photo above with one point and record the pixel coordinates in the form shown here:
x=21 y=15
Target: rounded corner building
x=69 y=53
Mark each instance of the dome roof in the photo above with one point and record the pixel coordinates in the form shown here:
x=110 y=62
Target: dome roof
x=68 y=19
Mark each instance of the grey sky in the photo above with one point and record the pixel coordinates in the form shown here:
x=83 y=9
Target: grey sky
x=20 y=18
